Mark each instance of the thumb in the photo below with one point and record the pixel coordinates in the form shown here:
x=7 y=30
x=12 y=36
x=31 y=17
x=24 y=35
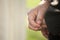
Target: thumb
x=39 y=18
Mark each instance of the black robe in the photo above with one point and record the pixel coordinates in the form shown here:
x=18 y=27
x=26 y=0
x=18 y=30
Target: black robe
x=52 y=19
x=56 y=6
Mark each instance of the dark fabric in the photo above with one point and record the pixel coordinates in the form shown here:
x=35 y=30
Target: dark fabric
x=52 y=19
x=53 y=37
x=51 y=0
x=56 y=6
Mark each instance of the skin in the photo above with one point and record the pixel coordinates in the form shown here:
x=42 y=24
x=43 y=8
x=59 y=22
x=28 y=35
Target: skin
x=36 y=18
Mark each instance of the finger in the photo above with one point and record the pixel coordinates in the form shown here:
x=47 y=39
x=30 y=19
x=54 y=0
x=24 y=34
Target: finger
x=44 y=32
x=33 y=28
x=39 y=18
x=31 y=19
x=44 y=24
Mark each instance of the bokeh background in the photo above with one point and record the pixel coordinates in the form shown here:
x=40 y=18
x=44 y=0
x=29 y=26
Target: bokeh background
x=12 y=19
x=14 y=22
x=33 y=35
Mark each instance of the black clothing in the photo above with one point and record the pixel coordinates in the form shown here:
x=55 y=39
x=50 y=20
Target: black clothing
x=54 y=37
x=56 y=6
x=52 y=19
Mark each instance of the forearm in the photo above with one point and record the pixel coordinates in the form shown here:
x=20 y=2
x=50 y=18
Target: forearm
x=43 y=7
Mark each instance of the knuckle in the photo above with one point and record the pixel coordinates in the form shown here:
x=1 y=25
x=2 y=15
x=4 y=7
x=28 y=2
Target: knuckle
x=35 y=26
x=32 y=28
x=29 y=12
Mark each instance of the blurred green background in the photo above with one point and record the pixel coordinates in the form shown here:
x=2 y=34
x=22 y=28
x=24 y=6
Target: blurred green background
x=33 y=35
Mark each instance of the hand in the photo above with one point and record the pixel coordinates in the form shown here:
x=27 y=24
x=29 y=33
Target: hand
x=35 y=19
x=37 y=22
x=35 y=16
